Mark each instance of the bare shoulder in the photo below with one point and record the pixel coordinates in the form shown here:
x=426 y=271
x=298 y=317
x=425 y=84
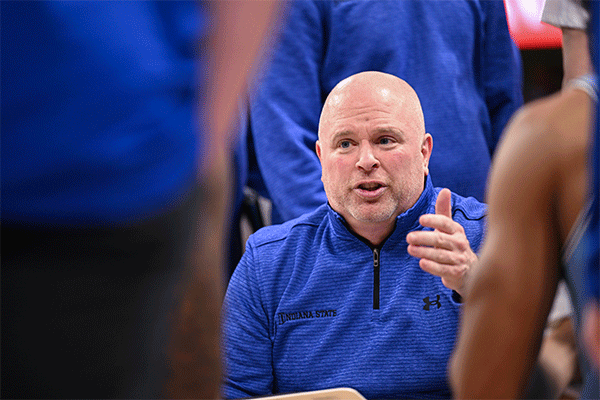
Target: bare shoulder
x=557 y=122
x=569 y=115
x=524 y=162
x=543 y=137
x=540 y=163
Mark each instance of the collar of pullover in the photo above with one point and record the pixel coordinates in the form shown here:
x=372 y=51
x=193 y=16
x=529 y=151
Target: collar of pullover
x=405 y=222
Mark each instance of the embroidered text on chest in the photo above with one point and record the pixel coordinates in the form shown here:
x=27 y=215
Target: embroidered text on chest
x=284 y=317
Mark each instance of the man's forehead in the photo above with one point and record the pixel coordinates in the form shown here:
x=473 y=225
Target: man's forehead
x=374 y=121
x=384 y=129
x=344 y=111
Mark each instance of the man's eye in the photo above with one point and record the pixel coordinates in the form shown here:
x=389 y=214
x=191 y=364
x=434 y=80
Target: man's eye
x=384 y=140
x=344 y=144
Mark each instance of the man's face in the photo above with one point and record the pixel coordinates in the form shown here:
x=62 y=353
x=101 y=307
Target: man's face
x=374 y=155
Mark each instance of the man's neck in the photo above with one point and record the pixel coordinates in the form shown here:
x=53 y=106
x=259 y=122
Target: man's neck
x=375 y=234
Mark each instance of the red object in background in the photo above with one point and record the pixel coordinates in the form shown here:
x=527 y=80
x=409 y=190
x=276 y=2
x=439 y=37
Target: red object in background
x=525 y=26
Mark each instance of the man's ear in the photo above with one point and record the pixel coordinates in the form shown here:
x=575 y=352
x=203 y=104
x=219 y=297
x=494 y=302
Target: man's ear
x=426 y=148
x=318 y=149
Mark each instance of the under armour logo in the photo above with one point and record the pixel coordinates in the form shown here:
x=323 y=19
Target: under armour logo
x=431 y=303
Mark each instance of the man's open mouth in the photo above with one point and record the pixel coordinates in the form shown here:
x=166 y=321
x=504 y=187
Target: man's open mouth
x=372 y=186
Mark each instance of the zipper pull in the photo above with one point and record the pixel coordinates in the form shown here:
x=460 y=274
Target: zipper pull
x=376 y=279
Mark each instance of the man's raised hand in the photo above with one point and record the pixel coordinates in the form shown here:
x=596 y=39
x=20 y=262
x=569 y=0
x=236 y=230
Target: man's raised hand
x=445 y=251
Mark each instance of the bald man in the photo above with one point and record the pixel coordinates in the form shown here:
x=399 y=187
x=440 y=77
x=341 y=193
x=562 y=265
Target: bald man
x=364 y=292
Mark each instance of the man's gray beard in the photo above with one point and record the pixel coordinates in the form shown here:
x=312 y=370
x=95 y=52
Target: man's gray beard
x=371 y=217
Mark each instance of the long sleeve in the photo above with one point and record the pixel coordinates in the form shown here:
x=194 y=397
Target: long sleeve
x=247 y=346
x=285 y=113
x=502 y=71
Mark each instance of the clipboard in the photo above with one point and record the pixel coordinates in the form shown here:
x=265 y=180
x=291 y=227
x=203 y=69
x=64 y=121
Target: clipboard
x=342 y=393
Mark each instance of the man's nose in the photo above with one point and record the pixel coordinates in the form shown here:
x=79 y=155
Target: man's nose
x=367 y=159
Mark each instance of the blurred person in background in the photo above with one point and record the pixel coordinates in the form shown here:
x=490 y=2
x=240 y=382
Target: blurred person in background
x=543 y=226
x=115 y=182
x=457 y=55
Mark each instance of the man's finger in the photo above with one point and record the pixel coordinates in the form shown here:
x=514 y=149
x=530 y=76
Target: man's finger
x=440 y=256
x=437 y=269
x=433 y=239
x=443 y=204
x=439 y=222
x=452 y=277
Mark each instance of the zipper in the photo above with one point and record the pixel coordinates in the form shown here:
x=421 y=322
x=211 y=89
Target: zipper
x=375 y=279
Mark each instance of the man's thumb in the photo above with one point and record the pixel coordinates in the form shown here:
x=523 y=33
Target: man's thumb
x=443 y=204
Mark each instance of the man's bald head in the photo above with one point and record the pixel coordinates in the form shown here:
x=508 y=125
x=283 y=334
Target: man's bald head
x=371 y=87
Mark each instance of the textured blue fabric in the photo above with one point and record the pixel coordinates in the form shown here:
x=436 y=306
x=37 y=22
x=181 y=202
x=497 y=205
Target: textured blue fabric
x=594 y=229
x=299 y=310
x=575 y=261
x=591 y=389
x=457 y=55
x=98 y=111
